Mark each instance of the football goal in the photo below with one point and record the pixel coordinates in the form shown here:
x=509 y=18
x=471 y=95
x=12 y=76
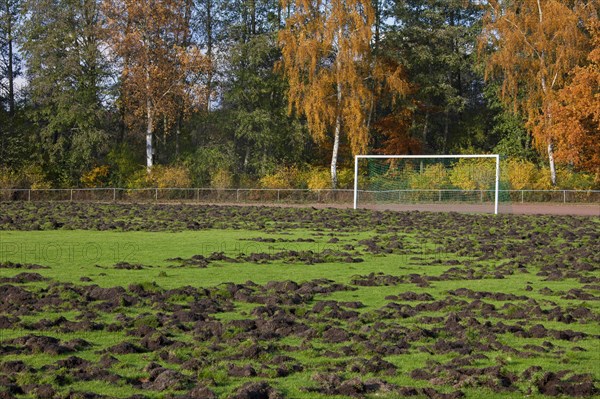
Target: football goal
x=448 y=182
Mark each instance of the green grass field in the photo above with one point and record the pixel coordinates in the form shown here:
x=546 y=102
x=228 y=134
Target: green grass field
x=382 y=305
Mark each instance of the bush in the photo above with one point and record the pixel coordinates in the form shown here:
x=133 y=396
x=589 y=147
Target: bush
x=96 y=177
x=207 y=165
x=318 y=178
x=36 y=178
x=433 y=177
x=32 y=176
x=8 y=178
x=222 y=179
x=345 y=178
x=284 y=177
x=568 y=179
x=172 y=176
x=123 y=165
x=525 y=175
x=177 y=176
x=474 y=174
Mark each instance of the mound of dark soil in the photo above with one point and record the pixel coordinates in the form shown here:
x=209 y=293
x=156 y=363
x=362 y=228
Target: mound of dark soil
x=256 y=390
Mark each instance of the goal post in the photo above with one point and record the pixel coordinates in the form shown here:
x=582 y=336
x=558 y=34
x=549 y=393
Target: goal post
x=414 y=179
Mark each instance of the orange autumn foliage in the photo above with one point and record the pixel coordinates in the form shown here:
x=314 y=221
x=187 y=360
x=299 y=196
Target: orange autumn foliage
x=333 y=76
x=396 y=130
x=534 y=45
x=576 y=114
x=161 y=69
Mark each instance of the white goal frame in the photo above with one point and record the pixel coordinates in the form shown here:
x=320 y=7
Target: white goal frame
x=496 y=156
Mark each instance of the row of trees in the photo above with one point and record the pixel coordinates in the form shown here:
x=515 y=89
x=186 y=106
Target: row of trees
x=99 y=91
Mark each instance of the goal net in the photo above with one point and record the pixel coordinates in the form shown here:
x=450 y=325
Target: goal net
x=469 y=183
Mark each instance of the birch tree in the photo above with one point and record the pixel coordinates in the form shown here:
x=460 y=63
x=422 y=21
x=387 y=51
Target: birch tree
x=534 y=45
x=160 y=71
x=326 y=57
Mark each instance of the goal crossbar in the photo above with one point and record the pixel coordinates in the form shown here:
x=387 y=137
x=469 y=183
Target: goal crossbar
x=495 y=156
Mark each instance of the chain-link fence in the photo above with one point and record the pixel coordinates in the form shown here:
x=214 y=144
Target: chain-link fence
x=296 y=196
x=199 y=195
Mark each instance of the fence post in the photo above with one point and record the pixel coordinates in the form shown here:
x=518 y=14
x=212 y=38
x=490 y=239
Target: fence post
x=277 y=195
x=156 y=194
x=522 y=196
x=564 y=196
x=71 y=195
x=29 y=195
x=114 y=194
x=237 y=195
x=440 y=195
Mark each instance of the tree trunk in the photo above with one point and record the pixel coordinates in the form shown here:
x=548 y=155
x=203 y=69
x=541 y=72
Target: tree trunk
x=446 y=129
x=246 y=158
x=252 y=17
x=548 y=115
x=551 y=161
x=10 y=71
x=278 y=15
x=334 y=155
x=209 y=53
x=425 y=128
x=177 y=133
x=149 y=129
x=377 y=7
x=338 y=119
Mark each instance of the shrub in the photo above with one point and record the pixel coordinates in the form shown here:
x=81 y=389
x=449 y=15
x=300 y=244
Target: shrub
x=123 y=165
x=8 y=178
x=433 y=177
x=206 y=162
x=318 y=178
x=36 y=178
x=522 y=174
x=96 y=177
x=284 y=177
x=32 y=176
x=139 y=179
x=473 y=174
x=345 y=178
x=221 y=179
x=161 y=177
x=172 y=176
x=568 y=179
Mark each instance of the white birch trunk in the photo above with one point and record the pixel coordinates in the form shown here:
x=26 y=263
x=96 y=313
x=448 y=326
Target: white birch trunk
x=334 y=155
x=551 y=161
x=149 y=129
x=547 y=116
x=338 y=121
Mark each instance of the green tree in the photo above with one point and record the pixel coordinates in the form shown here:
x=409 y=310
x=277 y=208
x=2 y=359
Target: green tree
x=9 y=60
x=265 y=134
x=247 y=117
x=65 y=71
x=11 y=138
x=435 y=41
